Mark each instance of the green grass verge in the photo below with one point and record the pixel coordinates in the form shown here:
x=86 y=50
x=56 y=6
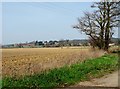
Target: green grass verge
x=66 y=75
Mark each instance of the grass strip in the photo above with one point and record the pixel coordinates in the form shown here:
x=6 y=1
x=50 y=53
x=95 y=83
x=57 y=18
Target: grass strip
x=66 y=75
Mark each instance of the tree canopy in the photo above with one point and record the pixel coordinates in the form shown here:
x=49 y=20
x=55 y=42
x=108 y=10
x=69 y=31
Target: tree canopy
x=99 y=24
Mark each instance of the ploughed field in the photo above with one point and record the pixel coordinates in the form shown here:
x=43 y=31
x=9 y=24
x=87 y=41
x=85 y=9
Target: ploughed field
x=27 y=61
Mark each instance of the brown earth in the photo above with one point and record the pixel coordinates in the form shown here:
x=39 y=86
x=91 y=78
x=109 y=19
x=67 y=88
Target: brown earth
x=28 y=61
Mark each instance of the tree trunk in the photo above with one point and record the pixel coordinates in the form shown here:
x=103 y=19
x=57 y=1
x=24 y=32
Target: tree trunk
x=107 y=30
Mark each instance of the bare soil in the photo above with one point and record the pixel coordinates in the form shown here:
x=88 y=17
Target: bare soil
x=18 y=62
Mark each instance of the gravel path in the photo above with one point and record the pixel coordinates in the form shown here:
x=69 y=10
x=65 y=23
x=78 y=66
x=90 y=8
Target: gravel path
x=110 y=80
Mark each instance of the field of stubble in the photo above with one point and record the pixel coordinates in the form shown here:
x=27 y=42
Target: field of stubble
x=27 y=61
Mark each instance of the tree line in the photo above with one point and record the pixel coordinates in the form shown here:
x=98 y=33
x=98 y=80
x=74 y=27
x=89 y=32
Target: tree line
x=51 y=43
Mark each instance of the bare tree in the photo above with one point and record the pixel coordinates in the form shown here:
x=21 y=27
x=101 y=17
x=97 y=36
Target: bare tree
x=99 y=24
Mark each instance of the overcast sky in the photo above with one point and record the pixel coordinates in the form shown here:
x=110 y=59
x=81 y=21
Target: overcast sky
x=28 y=21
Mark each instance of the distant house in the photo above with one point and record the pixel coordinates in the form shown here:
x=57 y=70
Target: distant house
x=8 y=46
x=111 y=44
x=56 y=44
x=28 y=45
x=25 y=45
x=0 y=46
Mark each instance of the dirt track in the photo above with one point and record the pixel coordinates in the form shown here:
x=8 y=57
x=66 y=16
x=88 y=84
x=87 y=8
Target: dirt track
x=110 y=80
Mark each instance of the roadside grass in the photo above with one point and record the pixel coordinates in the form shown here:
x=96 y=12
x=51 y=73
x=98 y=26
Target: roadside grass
x=67 y=75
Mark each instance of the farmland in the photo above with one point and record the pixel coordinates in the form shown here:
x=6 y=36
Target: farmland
x=28 y=61
x=66 y=75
